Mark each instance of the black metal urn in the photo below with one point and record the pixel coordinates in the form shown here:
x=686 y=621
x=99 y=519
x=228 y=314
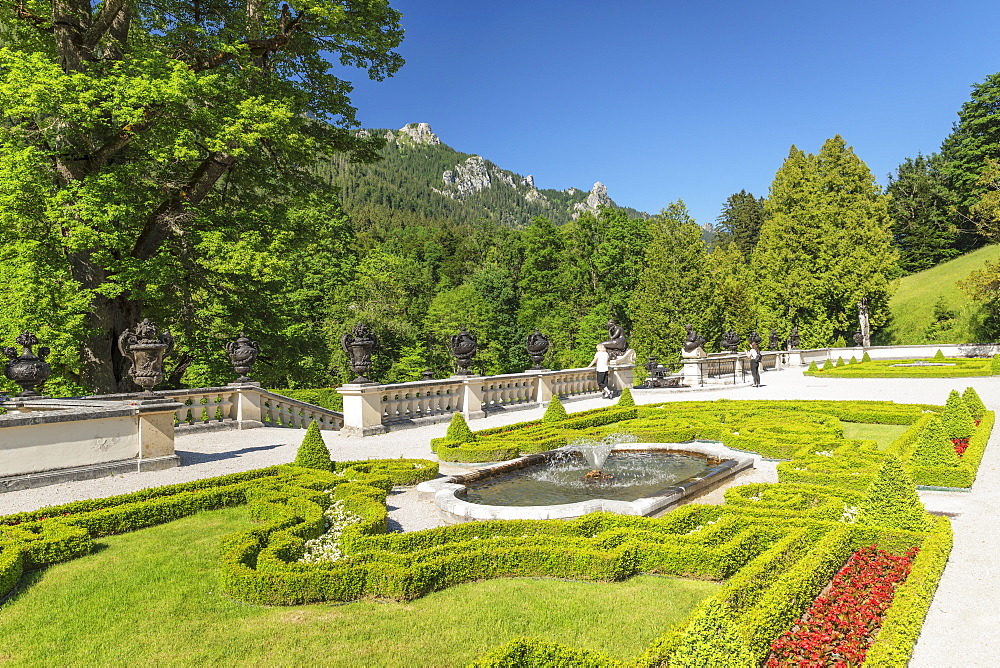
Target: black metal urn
x=145 y=348
x=27 y=369
x=859 y=338
x=793 y=339
x=754 y=337
x=359 y=344
x=731 y=341
x=242 y=354
x=463 y=347
x=536 y=345
x=774 y=343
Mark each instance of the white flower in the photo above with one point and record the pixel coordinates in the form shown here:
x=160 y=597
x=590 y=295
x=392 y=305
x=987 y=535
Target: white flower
x=850 y=515
x=326 y=547
x=824 y=453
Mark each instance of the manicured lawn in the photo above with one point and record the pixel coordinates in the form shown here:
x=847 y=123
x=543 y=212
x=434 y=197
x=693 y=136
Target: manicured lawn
x=883 y=434
x=151 y=597
x=959 y=368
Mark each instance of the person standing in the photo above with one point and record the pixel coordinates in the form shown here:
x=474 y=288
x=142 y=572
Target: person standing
x=601 y=362
x=754 y=356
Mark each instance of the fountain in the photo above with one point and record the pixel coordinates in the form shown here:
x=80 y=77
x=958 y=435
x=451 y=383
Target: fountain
x=615 y=474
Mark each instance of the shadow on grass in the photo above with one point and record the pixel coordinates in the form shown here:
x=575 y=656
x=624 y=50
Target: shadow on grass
x=30 y=578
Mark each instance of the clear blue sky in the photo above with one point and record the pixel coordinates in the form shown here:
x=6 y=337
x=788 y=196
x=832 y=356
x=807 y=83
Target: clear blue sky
x=691 y=100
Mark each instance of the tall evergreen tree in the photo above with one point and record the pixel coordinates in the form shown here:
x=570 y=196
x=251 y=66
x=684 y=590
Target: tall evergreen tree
x=922 y=220
x=672 y=290
x=825 y=251
x=740 y=222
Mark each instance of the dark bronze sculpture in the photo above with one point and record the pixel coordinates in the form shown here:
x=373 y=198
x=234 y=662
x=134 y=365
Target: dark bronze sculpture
x=693 y=340
x=463 y=347
x=27 y=369
x=617 y=344
x=774 y=343
x=359 y=345
x=242 y=354
x=754 y=338
x=731 y=341
x=659 y=375
x=146 y=348
x=859 y=338
x=793 y=339
x=536 y=345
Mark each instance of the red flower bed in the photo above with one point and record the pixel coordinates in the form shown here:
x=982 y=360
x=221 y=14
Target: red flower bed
x=840 y=625
x=960 y=445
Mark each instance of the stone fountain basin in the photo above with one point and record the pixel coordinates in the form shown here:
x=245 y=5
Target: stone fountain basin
x=448 y=492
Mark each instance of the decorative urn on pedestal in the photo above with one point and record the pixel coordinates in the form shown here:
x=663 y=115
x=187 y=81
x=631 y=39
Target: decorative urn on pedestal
x=536 y=345
x=145 y=348
x=27 y=369
x=359 y=344
x=731 y=341
x=794 y=343
x=242 y=354
x=859 y=338
x=773 y=342
x=463 y=348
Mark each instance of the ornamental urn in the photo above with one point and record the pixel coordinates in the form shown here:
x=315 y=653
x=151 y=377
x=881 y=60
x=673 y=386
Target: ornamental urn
x=774 y=343
x=242 y=354
x=145 y=348
x=463 y=348
x=27 y=369
x=536 y=345
x=793 y=339
x=359 y=344
x=731 y=341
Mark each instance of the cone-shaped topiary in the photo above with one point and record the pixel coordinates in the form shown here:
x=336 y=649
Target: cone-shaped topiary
x=866 y=357
x=313 y=452
x=626 y=398
x=973 y=403
x=828 y=364
x=939 y=356
x=459 y=430
x=891 y=500
x=995 y=365
x=840 y=361
x=711 y=639
x=812 y=367
x=934 y=448
x=956 y=418
x=555 y=412
x=853 y=360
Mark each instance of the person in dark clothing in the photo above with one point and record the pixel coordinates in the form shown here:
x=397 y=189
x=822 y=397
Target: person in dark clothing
x=754 y=355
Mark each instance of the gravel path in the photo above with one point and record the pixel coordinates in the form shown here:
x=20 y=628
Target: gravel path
x=959 y=627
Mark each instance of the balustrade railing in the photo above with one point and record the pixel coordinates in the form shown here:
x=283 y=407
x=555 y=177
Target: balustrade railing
x=573 y=382
x=509 y=390
x=280 y=411
x=420 y=399
x=204 y=406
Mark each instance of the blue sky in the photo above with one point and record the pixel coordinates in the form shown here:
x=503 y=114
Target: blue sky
x=682 y=100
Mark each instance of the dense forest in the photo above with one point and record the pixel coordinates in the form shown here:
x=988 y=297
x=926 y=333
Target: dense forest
x=214 y=181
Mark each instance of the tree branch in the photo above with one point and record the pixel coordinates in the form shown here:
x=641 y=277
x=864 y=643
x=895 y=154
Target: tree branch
x=258 y=47
x=105 y=18
x=43 y=24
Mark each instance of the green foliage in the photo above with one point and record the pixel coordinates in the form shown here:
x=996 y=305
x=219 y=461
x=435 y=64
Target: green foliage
x=934 y=448
x=891 y=500
x=853 y=360
x=958 y=368
x=939 y=356
x=923 y=227
x=995 y=365
x=828 y=364
x=555 y=411
x=458 y=430
x=324 y=397
x=812 y=367
x=313 y=453
x=972 y=401
x=740 y=222
x=866 y=357
x=711 y=640
x=530 y=652
x=826 y=245
x=626 y=398
x=957 y=419
x=840 y=361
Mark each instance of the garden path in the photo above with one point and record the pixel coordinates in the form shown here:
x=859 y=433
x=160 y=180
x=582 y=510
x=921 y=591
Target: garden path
x=960 y=626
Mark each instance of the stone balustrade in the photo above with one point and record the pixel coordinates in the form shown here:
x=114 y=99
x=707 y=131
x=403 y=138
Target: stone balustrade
x=374 y=409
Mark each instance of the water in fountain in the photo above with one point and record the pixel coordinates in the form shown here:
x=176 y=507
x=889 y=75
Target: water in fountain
x=596 y=452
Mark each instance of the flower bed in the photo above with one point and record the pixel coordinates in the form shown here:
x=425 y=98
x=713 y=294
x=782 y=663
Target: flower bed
x=840 y=625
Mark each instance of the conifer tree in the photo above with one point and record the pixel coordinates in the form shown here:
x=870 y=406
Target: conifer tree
x=825 y=250
x=974 y=403
x=740 y=222
x=892 y=501
x=922 y=221
x=956 y=418
x=313 y=453
x=458 y=429
x=555 y=412
x=672 y=290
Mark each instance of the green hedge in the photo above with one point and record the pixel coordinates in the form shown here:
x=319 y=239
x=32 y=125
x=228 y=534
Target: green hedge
x=964 y=368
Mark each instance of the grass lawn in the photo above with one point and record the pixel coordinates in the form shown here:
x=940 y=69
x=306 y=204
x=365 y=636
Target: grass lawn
x=151 y=597
x=912 y=305
x=883 y=434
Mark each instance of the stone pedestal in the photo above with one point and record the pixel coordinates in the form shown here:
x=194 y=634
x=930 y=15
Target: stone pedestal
x=545 y=384
x=472 y=398
x=795 y=358
x=620 y=376
x=692 y=370
x=362 y=409
x=248 y=406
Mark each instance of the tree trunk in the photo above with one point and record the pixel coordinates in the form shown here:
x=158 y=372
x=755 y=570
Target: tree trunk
x=866 y=339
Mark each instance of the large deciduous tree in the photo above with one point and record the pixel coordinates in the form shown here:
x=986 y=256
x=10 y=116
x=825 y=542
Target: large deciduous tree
x=825 y=251
x=146 y=144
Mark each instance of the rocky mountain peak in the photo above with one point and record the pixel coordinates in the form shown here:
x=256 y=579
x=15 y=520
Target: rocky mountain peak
x=598 y=196
x=420 y=133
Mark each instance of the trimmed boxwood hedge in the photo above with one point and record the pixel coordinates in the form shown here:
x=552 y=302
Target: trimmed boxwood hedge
x=775 y=546
x=964 y=368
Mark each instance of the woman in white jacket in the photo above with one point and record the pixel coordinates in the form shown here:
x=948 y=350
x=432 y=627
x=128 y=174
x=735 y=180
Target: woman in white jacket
x=601 y=362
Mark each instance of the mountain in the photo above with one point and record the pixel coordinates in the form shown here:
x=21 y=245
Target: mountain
x=420 y=178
